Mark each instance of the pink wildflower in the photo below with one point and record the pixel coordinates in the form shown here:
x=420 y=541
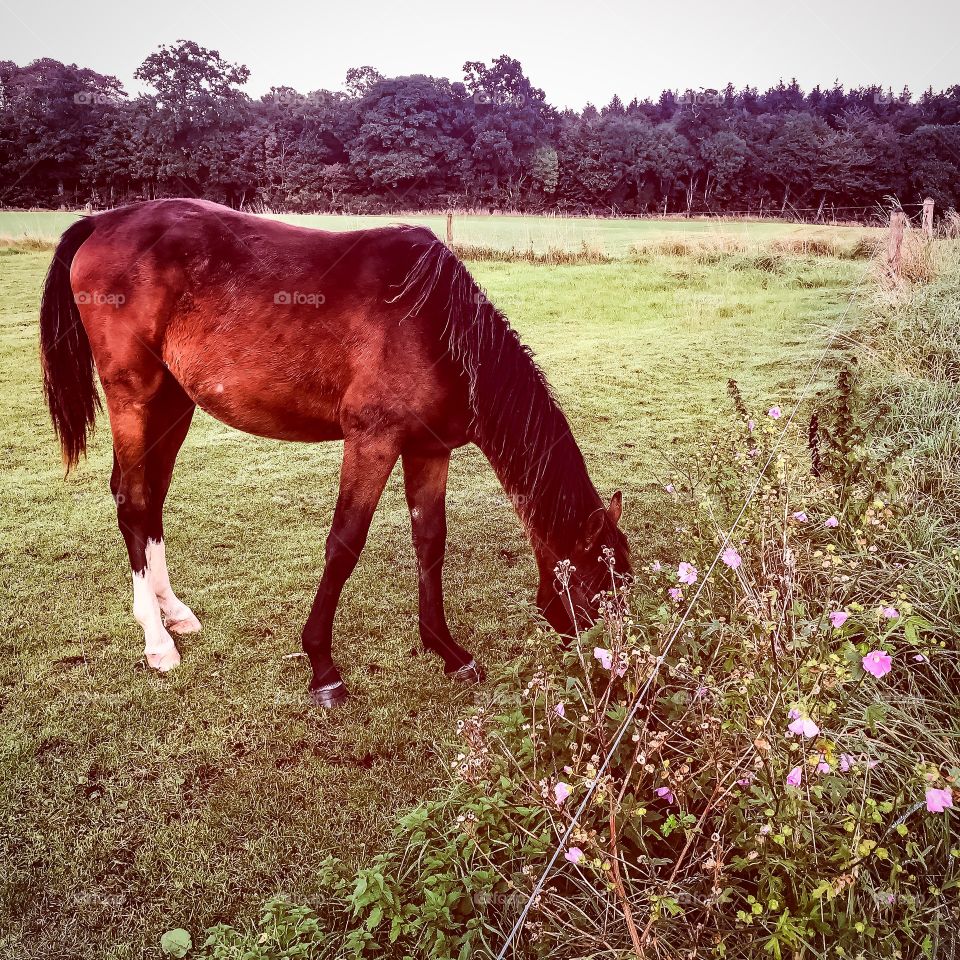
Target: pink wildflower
x=604 y=656
x=750 y=425
x=560 y=710
x=800 y=516
x=795 y=777
x=573 y=855
x=822 y=765
x=838 y=618
x=939 y=800
x=774 y=413
x=831 y=522
x=687 y=573
x=731 y=558
x=561 y=791
x=804 y=726
x=665 y=793
x=877 y=663
x=676 y=594
x=606 y=660
x=889 y=613
x=670 y=488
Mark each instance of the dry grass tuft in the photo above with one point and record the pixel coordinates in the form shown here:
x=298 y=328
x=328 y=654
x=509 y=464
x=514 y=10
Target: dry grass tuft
x=713 y=249
x=26 y=244
x=863 y=249
x=917 y=265
x=707 y=249
x=588 y=253
x=950 y=227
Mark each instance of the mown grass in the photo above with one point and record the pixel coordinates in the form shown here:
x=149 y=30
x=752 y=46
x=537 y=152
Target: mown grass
x=134 y=802
x=537 y=235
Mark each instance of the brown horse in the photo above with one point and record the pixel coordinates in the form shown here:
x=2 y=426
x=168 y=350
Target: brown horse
x=379 y=338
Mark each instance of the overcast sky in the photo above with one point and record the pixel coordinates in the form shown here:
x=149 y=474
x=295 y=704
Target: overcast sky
x=576 y=51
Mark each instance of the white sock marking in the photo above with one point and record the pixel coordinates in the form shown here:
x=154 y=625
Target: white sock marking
x=174 y=610
x=159 y=648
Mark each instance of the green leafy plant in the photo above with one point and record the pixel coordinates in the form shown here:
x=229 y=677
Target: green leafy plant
x=176 y=943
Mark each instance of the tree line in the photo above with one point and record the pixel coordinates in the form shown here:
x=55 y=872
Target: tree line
x=71 y=137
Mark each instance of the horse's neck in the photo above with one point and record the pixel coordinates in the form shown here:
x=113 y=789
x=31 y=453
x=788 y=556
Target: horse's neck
x=548 y=484
x=515 y=419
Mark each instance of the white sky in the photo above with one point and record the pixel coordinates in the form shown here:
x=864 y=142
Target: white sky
x=577 y=52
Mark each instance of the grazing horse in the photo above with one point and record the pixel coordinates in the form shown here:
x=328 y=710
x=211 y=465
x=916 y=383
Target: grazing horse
x=380 y=338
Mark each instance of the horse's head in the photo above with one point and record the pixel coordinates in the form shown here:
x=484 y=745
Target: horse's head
x=569 y=586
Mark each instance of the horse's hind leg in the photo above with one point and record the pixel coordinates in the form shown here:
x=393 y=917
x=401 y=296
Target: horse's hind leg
x=149 y=417
x=367 y=464
x=176 y=408
x=425 y=480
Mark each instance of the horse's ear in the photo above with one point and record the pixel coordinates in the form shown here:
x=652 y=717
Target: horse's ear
x=615 y=510
x=595 y=523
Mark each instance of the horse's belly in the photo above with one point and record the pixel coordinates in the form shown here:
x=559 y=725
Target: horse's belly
x=270 y=400
x=270 y=416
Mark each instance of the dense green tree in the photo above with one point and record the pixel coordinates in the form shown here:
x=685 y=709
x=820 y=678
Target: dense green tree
x=932 y=164
x=193 y=144
x=668 y=161
x=510 y=123
x=410 y=139
x=788 y=158
x=290 y=146
x=51 y=115
x=723 y=156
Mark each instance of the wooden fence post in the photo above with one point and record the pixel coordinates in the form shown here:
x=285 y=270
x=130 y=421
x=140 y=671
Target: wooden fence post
x=898 y=223
x=449 y=228
x=928 y=218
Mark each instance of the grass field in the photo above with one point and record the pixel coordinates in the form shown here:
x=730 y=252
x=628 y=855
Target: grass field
x=612 y=237
x=134 y=802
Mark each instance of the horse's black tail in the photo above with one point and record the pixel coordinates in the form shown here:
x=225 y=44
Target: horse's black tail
x=68 y=381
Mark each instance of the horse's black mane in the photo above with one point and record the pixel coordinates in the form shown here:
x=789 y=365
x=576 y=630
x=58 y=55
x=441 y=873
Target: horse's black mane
x=516 y=420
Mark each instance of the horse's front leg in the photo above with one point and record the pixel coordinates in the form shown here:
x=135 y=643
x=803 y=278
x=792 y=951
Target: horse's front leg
x=367 y=463
x=425 y=481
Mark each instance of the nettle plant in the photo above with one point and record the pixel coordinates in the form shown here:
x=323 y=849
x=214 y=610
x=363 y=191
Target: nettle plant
x=785 y=786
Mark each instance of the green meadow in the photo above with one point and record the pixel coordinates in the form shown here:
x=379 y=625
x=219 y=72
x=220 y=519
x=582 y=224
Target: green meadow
x=134 y=802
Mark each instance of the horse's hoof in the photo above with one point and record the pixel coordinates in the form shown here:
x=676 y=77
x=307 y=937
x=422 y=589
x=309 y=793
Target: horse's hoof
x=185 y=624
x=165 y=659
x=470 y=673
x=329 y=696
